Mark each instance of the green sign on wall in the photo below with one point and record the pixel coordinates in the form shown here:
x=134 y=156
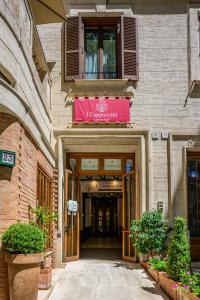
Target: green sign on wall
x=7 y=158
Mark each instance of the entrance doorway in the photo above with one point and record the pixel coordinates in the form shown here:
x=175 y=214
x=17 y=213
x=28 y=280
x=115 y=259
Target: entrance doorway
x=107 y=204
x=101 y=228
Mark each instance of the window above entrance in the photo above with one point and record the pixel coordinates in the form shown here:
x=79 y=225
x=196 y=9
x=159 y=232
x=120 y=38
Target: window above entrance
x=89 y=164
x=100 y=164
x=101 y=48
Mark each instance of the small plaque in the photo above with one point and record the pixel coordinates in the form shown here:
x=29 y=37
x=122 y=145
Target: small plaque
x=7 y=158
x=89 y=164
x=156 y=135
x=165 y=135
x=72 y=205
x=112 y=164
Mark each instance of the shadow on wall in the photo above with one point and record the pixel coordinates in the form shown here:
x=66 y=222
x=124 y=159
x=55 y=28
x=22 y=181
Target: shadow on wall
x=6 y=120
x=5 y=173
x=7 y=141
x=161 y=7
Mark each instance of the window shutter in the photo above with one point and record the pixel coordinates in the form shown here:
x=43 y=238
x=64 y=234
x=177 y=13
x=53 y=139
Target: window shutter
x=74 y=48
x=119 y=49
x=129 y=48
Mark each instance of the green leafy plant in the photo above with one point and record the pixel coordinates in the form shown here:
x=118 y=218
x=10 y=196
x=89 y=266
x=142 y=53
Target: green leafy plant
x=149 y=233
x=23 y=239
x=42 y=216
x=178 y=255
x=190 y=282
x=158 y=263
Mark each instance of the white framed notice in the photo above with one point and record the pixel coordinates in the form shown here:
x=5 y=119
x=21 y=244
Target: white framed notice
x=89 y=164
x=112 y=164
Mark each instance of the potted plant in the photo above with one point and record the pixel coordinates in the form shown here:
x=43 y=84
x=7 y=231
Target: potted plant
x=43 y=217
x=189 y=287
x=178 y=259
x=23 y=245
x=149 y=233
x=156 y=265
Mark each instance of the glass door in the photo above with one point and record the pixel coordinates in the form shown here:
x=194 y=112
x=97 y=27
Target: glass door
x=193 y=183
x=128 y=214
x=71 y=217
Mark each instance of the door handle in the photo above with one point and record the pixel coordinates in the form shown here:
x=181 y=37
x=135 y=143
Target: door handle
x=67 y=229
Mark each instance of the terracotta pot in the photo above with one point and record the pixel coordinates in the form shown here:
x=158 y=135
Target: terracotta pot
x=144 y=264
x=186 y=296
x=154 y=274
x=45 y=278
x=167 y=284
x=23 y=272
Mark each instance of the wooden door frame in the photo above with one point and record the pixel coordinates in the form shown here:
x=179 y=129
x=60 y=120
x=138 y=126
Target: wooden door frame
x=124 y=230
x=76 y=257
x=78 y=173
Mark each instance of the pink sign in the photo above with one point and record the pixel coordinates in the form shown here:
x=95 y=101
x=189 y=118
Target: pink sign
x=102 y=109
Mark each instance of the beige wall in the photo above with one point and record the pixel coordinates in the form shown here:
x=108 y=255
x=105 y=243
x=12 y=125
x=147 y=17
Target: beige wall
x=168 y=50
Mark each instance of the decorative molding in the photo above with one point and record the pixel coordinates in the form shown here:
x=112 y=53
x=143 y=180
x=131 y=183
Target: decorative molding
x=98 y=9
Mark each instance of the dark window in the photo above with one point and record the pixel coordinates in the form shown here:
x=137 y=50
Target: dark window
x=101 y=48
x=193 y=171
x=91 y=54
x=100 y=53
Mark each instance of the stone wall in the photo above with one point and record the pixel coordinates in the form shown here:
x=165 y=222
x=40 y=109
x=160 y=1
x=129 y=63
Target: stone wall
x=167 y=45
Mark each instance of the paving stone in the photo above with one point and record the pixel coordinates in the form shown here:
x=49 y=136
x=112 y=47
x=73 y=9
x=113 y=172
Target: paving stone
x=90 y=279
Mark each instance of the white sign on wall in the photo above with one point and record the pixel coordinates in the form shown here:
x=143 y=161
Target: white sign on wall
x=101 y=186
x=112 y=164
x=89 y=164
x=72 y=205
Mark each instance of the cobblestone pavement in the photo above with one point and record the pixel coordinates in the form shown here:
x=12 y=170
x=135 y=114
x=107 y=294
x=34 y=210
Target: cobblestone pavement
x=105 y=280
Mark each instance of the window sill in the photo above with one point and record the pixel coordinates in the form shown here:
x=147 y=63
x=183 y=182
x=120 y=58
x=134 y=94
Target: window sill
x=85 y=81
x=100 y=87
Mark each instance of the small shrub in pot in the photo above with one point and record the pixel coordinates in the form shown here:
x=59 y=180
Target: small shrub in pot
x=158 y=263
x=23 y=245
x=149 y=233
x=23 y=239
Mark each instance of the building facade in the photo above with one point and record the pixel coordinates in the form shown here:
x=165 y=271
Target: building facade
x=25 y=121
x=103 y=54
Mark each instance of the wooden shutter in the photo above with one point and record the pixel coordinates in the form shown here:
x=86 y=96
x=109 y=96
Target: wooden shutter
x=129 y=48
x=119 y=49
x=74 y=48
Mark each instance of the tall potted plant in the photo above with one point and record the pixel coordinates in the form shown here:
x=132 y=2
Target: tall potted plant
x=178 y=259
x=43 y=217
x=23 y=245
x=178 y=255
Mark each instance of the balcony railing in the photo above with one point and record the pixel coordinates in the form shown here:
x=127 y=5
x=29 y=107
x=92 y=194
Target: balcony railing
x=100 y=75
